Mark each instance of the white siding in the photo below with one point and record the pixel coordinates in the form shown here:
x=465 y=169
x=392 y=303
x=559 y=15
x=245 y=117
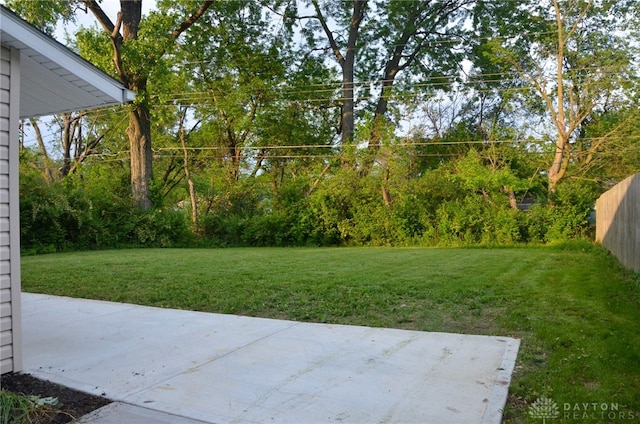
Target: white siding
x=24 y=43
x=10 y=310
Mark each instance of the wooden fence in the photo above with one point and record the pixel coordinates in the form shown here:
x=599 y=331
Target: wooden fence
x=618 y=221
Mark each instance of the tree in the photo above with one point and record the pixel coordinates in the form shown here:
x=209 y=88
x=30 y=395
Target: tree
x=132 y=59
x=44 y=163
x=80 y=136
x=257 y=98
x=608 y=149
x=422 y=35
x=187 y=172
x=367 y=36
x=231 y=63
x=44 y=14
x=577 y=61
x=350 y=16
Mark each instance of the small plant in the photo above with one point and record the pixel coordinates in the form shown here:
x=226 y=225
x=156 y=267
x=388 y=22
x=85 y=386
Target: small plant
x=19 y=408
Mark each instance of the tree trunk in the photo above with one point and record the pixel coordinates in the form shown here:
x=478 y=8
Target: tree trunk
x=47 y=172
x=386 y=195
x=513 y=202
x=566 y=123
x=348 y=91
x=346 y=61
x=398 y=61
x=559 y=166
x=67 y=138
x=139 y=132
x=348 y=104
x=187 y=174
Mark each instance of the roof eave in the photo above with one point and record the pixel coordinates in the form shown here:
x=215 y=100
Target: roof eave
x=41 y=46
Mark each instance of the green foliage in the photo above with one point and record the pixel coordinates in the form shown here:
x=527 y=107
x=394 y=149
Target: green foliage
x=475 y=176
x=258 y=112
x=43 y=14
x=460 y=203
x=18 y=408
x=94 y=45
x=592 y=50
x=267 y=230
x=473 y=221
x=48 y=218
x=566 y=217
x=91 y=210
x=161 y=228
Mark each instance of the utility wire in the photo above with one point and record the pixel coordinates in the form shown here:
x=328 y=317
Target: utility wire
x=437 y=81
x=358 y=147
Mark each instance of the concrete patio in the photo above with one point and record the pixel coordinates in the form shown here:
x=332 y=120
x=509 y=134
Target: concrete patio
x=174 y=366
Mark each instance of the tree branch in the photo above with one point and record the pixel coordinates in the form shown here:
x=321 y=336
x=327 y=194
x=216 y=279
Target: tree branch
x=116 y=29
x=102 y=17
x=332 y=42
x=191 y=19
x=284 y=14
x=114 y=35
x=577 y=22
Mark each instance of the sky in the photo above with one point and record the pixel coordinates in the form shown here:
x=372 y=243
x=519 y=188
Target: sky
x=110 y=7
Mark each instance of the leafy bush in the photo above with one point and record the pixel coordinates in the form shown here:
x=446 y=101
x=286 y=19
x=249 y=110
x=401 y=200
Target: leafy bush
x=565 y=216
x=48 y=218
x=460 y=221
x=272 y=229
x=569 y=211
x=162 y=228
x=458 y=203
x=91 y=213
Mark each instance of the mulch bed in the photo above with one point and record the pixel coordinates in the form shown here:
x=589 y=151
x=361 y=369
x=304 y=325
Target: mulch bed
x=72 y=403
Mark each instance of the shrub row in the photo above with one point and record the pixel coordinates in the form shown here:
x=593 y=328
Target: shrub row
x=69 y=216
x=431 y=210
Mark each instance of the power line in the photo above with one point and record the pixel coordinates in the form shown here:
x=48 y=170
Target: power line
x=124 y=155
x=357 y=147
x=436 y=81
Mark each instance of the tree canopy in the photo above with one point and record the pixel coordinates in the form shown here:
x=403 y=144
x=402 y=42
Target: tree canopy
x=281 y=122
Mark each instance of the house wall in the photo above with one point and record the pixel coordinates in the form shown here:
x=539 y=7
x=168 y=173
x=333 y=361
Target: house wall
x=618 y=221
x=10 y=310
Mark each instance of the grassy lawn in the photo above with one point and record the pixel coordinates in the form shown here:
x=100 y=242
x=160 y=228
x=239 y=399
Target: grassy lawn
x=576 y=312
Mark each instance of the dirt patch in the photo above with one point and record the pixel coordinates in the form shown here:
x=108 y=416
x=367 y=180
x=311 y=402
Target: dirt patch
x=72 y=403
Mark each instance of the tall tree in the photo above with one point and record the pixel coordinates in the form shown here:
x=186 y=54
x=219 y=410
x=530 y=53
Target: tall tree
x=343 y=44
x=233 y=62
x=576 y=61
x=426 y=36
x=256 y=96
x=422 y=36
x=365 y=37
x=133 y=60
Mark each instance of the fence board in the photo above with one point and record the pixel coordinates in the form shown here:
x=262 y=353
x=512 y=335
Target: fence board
x=618 y=221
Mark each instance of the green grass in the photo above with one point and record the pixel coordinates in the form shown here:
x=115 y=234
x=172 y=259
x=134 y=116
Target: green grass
x=18 y=408
x=575 y=310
